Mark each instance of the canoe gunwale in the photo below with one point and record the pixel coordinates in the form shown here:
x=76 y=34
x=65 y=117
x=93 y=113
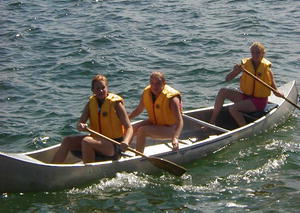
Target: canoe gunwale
x=26 y=173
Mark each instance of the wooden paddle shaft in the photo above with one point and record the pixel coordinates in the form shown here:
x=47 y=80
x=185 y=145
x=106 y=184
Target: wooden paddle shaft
x=169 y=166
x=268 y=86
x=115 y=142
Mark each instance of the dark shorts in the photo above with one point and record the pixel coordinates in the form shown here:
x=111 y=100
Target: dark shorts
x=101 y=157
x=259 y=103
x=117 y=154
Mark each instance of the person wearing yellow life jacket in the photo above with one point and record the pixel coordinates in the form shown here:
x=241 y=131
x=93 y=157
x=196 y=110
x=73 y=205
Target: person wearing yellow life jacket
x=107 y=115
x=163 y=105
x=253 y=96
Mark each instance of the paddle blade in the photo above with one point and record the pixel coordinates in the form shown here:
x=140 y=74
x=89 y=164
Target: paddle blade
x=169 y=166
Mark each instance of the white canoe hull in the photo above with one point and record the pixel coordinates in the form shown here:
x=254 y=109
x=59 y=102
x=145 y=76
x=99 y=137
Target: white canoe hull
x=32 y=171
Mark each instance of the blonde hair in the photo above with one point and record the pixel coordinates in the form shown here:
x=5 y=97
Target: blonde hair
x=158 y=75
x=258 y=45
x=99 y=78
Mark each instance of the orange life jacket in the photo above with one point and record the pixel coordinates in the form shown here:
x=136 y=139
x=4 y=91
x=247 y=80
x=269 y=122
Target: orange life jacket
x=106 y=121
x=252 y=87
x=159 y=111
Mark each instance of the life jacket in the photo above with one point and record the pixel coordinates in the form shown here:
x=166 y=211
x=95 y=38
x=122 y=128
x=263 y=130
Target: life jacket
x=252 y=87
x=159 y=111
x=105 y=120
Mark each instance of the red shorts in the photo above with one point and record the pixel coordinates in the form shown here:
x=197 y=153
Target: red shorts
x=259 y=103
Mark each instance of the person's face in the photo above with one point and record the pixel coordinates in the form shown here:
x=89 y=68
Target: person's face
x=157 y=85
x=100 y=89
x=257 y=54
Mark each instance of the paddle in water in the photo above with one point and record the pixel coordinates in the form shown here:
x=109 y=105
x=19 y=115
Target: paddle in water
x=161 y=163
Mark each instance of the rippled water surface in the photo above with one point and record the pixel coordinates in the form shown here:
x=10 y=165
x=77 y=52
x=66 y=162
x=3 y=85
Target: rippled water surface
x=50 y=50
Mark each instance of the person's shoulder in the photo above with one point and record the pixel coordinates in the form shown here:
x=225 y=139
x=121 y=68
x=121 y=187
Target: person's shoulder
x=92 y=96
x=169 y=88
x=245 y=60
x=170 y=91
x=147 y=87
x=266 y=62
x=114 y=97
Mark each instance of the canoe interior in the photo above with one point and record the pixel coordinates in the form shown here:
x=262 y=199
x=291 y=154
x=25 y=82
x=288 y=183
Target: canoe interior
x=33 y=171
x=192 y=131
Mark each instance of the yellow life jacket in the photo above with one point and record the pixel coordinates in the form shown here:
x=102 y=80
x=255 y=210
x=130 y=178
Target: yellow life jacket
x=252 y=87
x=159 y=111
x=105 y=121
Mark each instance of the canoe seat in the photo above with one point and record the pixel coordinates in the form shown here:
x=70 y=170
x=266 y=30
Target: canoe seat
x=258 y=114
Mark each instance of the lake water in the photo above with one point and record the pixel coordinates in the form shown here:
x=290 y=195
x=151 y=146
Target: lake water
x=50 y=50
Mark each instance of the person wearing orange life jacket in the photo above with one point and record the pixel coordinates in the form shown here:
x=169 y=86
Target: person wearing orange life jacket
x=253 y=96
x=163 y=105
x=107 y=115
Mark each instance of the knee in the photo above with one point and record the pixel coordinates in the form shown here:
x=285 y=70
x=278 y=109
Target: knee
x=141 y=131
x=221 y=95
x=85 y=147
x=232 y=110
x=135 y=130
x=85 y=144
x=66 y=141
x=223 y=92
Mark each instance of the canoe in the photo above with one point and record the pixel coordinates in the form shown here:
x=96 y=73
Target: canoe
x=33 y=171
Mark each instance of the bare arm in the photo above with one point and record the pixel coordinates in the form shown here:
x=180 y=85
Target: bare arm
x=273 y=85
x=235 y=71
x=81 y=124
x=123 y=116
x=176 y=109
x=138 y=110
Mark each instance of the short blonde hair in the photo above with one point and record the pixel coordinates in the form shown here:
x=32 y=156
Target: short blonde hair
x=258 y=45
x=158 y=75
x=99 y=78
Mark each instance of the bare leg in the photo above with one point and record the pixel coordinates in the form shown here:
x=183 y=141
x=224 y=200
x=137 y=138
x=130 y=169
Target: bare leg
x=137 y=126
x=90 y=146
x=141 y=140
x=241 y=106
x=223 y=94
x=154 y=131
x=69 y=143
x=140 y=124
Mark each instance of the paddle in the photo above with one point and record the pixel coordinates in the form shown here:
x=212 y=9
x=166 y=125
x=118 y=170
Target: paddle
x=268 y=86
x=164 y=164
